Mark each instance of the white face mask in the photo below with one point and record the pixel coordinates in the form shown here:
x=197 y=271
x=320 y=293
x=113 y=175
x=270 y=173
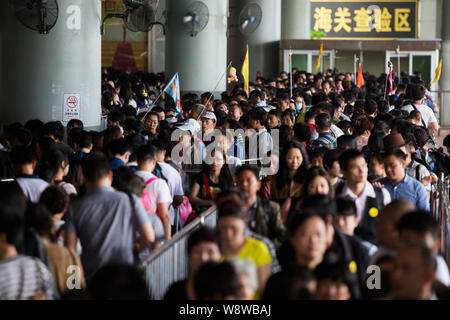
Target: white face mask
x=298 y=107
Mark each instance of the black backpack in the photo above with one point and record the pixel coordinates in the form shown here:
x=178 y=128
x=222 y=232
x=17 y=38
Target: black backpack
x=440 y=159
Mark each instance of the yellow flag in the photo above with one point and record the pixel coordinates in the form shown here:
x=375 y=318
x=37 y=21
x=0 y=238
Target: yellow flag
x=320 y=56
x=246 y=71
x=438 y=72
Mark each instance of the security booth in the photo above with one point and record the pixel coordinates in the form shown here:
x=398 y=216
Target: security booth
x=367 y=32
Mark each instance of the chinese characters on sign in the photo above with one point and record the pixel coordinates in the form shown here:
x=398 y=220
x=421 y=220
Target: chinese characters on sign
x=364 y=19
x=71 y=106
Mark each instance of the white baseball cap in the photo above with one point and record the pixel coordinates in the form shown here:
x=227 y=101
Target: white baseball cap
x=266 y=108
x=210 y=115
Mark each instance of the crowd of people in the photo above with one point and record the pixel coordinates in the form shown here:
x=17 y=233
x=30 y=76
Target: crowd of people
x=323 y=194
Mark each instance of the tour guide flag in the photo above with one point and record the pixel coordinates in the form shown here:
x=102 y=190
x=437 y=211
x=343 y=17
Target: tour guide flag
x=246 y=71
x=360 y=78
x=390 y=76
x=438 y=72
x=173 y=90
x=320 y=56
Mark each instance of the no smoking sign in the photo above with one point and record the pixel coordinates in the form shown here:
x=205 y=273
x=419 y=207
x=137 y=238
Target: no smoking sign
x=71 y=106
x=72 y=102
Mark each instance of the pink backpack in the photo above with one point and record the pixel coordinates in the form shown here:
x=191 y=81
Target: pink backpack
x=146 y=201
x=185 y=209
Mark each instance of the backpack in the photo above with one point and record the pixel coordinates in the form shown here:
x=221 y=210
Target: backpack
x=185 y=209
x=146 y=201
x=430 y=142
x=158 y=172
x=435 y=161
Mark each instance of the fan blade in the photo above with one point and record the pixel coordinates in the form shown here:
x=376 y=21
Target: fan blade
x=187 y=18
x=245 y=24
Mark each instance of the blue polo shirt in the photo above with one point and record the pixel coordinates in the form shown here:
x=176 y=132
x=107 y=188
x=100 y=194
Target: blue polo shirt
x=115 y=163
x=409 y=189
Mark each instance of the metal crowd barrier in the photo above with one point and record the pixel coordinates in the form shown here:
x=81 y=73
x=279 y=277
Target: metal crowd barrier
x=169 y=263
x=440 y=209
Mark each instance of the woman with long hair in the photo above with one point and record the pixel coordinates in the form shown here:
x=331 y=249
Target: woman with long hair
x=212 y=180
x=286 y=185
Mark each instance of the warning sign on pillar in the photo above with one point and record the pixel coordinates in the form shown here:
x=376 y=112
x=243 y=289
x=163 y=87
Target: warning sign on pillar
x=71 y=107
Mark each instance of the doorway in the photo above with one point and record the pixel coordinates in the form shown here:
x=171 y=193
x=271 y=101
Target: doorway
x=424 y=62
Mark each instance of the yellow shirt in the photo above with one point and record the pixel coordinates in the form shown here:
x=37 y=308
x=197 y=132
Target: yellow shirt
x=255 y=251
x=301 y=118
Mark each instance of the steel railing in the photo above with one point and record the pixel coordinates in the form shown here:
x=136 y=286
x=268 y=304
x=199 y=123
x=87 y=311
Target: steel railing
x=169 y=263
x=439 y=208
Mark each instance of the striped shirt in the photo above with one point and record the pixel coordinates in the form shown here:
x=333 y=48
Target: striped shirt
x=22 y=276
x=325 y=139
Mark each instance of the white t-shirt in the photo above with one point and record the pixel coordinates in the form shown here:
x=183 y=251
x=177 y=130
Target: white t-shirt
x=32 y=187
x=158 y=190
x=426 y=112
x=175 y=185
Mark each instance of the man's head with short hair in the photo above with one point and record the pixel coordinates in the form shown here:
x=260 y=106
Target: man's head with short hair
x=83 y=141
x=370 y=107
x=346 y=142
x=119 y=148
x=257 y=118
x=417 y=92
x=116 y=119
x=132 y=126
x=323 y=123
x=414 y=272
x=95 y=167
x=23 y=160
x=20 y=137
x=273 y=118
x=419 y=226
x=74 y=123
x=146 y=157
x=55 y=130
x=394 y=164
x=247 y=177
x=353 y=166
x=386 y=227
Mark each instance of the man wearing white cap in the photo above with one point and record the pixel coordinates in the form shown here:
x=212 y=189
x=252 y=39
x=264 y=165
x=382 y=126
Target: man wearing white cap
x=208 y=125
x=264 y=106
x=193 y=148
